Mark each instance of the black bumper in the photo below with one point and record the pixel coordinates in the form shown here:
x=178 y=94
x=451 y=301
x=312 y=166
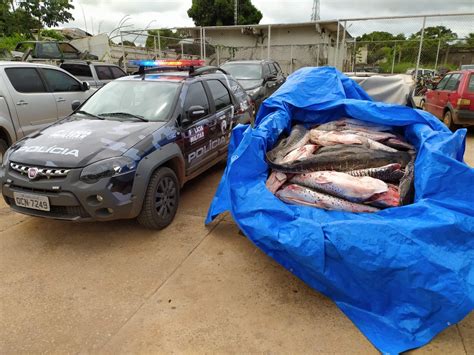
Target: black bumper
x=464 y=117
x=73 y=199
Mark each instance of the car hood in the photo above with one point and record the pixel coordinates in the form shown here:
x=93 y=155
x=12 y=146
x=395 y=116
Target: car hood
x=249 y=84
x=77 y=142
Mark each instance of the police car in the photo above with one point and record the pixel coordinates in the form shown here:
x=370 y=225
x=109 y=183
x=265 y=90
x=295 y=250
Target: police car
x=127 y=151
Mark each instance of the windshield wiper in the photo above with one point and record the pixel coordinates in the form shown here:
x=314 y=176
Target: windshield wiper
x=123 y=114
x=89 y=114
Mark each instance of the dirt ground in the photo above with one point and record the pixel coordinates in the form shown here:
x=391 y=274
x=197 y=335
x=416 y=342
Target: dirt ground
x=118 y=288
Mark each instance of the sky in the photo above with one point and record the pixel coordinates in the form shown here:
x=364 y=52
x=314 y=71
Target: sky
x=104 y=15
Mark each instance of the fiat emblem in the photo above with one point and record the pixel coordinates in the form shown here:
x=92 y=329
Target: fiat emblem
x=32 y=173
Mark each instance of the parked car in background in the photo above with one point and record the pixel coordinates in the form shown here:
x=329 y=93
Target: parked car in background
x=422 y=72
x=128 y=150
x=49 y=50
x=97 y=74
x=467 y=66
x=33 y=96
x=452 y=99
x=259 y=78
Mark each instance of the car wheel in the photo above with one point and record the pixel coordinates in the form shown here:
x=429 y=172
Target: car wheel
x=3 y=148
x=448 y=120
x=161 y=200
x=422 y=105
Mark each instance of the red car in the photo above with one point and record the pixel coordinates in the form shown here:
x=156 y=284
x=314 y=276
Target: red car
x=452 y=100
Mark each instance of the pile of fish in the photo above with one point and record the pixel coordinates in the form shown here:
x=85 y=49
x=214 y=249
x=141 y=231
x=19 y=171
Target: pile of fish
x=343 y=165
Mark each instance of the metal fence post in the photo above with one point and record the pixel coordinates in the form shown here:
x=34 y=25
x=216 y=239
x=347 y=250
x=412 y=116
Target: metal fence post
x=437 y=54
x=317 y=55
x=354 y=60
x=336 y=53
x=269 y=41
x=420 y=47
x=159 y=43
x=200 y=40
x=343 y=46
x=154 y=46
x=393 y=59
x=291 y=59
x=204 y=42
x=123 y=53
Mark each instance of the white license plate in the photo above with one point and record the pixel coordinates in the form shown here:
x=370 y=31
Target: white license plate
x=35 y=202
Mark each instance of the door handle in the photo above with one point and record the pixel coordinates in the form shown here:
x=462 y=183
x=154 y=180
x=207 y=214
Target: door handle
x=22 y=103
x=60 y=99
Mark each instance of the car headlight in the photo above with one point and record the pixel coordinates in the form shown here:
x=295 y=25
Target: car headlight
x=254 y=93
x=6 y=158
x=107 y=168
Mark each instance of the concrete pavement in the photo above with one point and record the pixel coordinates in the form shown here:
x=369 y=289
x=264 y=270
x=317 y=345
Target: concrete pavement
x=118 y=288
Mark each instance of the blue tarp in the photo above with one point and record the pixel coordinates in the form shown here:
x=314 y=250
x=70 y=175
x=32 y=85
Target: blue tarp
x=401 y=275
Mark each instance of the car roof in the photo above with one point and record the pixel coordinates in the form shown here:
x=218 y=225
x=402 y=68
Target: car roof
x=87 y=62
x=174 y=76
x=260 y=61
x=26 y=64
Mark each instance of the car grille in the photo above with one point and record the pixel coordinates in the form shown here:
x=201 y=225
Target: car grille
x=41 y=172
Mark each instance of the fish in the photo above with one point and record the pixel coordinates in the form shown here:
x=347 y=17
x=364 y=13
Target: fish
x=376 y=136
x=388 y=173
x=296 y=194
x=390 y=198
x=300 y=153
x=352 y=124
x=343 y=158
x=406 y=186
x=298 y=137
x=398 y=143
x=275 y=181
x=327 y=138
x=351 y=188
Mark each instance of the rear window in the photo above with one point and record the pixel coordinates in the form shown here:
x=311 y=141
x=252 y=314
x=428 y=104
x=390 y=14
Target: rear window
x=78 y=69
x=103 y=72
x=453 y=82
x=470 y=87
x=25 y=80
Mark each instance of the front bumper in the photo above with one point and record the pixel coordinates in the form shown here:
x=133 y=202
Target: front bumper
x=464 y=117
x=72 y=199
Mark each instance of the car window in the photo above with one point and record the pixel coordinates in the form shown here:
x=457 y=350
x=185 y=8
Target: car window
x=60 y=82
x=266 y=70
x=196 y=96
x=273 y=69
x=67 y=48
x=25 y=80
x=48 y=50
x=470 y=87
x=278 y=67
x=219 y=94
x=78 y=69
x=453 y=82
x=443 y=82
x=243 y=71
x=103 y=72
x=117 y=72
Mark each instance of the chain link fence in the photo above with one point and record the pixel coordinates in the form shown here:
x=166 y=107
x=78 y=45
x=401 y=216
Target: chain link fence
x=400 y=45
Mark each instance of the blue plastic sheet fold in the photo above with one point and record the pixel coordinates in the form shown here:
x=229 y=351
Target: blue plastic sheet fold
x=401 y=275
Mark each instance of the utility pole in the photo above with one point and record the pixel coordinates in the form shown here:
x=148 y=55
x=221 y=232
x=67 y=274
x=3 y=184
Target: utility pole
x=315 y=15
x=236 y=12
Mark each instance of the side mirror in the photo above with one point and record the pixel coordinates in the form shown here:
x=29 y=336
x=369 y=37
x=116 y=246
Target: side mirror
x=85 y=86
x=75 y=105
x=271 y=77
x=195 y=112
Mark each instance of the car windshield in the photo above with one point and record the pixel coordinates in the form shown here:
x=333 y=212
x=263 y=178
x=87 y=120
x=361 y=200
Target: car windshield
x=244 y=71
x=150 y=100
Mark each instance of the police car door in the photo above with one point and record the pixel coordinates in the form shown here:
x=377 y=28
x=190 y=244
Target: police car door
x=224 y=107
x=196 y=121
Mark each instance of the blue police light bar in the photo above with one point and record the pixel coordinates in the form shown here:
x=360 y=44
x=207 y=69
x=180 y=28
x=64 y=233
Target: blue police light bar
x=168 y=63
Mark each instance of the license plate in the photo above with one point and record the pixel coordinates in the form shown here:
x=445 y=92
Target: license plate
x=35 y=202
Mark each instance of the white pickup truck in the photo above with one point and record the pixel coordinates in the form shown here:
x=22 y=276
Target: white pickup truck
x=97 y=74
x=33 y=96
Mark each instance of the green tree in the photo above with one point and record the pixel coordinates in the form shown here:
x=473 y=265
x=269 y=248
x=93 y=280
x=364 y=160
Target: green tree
x=15 y=20
x=48 y=13
x=380 y=45
x=436 y=32
x=167 y=36
x=221 y=13
x=470 y=39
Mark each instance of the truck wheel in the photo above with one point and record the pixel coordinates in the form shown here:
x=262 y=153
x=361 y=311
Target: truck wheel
x=161 y=200
x=448 y=120
x=3 y=148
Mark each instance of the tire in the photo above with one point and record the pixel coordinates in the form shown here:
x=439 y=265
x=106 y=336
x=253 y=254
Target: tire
x=3 y=148
x=448 y=120
x=161 y=200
